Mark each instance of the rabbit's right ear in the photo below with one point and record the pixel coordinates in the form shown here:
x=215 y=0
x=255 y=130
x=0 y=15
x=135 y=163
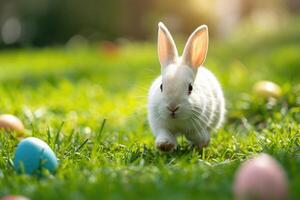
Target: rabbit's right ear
x=167 y=52
x=196 y=47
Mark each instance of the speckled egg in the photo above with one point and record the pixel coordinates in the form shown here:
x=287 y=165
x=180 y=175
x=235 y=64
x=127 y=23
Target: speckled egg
x=12 y=123
x=260 y=178
x=32 y=155
x=267 y=89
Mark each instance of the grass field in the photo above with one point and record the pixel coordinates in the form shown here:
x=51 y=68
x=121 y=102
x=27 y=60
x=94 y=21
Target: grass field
x=90 y=106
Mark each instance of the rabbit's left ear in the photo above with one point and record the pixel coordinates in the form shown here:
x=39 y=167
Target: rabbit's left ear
x=167 y=51
x=195 y=50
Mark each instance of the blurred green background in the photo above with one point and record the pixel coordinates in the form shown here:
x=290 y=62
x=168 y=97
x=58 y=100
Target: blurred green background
x=59 y=22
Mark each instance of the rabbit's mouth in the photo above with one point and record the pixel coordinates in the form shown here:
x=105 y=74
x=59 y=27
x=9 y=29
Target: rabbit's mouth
x=173 y=115
x=178 y=116
x=173 y=110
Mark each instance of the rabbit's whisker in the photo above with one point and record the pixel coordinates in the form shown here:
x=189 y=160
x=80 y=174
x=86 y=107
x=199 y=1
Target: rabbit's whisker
x=200 y=112
x=200 y=129
x=202 y=118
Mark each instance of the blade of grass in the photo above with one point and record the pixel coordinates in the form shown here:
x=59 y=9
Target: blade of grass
x=57 y=142
x=101 y=129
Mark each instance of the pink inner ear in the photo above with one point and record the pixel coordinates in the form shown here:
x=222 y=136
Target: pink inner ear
x=162 y=47
x=198 y=49
x=198 y=52
x=167 y=52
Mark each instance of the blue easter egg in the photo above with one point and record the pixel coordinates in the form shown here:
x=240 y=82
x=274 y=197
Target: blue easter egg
x=32 y=155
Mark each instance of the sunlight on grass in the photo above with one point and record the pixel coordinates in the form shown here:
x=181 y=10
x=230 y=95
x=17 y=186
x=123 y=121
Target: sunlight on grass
x=83 y=87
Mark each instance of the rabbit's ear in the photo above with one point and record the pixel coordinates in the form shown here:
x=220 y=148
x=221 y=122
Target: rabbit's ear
x=196 y=47
x=167 y=52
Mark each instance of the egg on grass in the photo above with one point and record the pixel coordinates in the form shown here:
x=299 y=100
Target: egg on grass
x=261 y=178
x=14 y=197
x=11 y=123
x=267 y=89
x=33 y=155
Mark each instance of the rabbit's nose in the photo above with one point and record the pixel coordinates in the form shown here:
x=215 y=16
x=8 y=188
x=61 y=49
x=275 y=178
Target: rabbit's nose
x=172 y=108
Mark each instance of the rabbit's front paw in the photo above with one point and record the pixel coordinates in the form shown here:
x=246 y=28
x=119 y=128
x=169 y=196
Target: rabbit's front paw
x=165 y=145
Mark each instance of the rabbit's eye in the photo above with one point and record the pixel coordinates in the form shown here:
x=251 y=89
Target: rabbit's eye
x=190 y=88
x=161 y=87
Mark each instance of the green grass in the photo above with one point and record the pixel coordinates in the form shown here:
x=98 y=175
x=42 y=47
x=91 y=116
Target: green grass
x=67 y=93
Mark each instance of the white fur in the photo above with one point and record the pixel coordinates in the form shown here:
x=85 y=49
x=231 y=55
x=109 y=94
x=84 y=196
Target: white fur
x=200 y=111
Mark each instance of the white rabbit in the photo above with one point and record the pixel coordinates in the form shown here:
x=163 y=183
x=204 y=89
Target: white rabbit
x=187 y=98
